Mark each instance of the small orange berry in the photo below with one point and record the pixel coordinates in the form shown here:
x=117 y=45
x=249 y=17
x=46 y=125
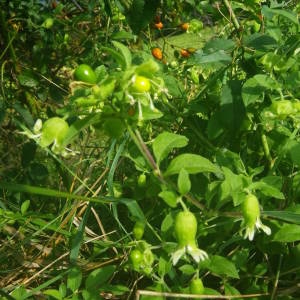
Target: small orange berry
x=157 y=53
x=184 y=53
x=159 y=25
x=185 y=26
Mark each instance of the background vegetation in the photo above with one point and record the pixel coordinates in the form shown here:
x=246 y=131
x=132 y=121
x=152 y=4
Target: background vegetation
x=169 y=168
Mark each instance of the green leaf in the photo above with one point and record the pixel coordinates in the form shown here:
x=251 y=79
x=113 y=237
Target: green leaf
x=254 y=87
x=165 y=143
x=187 y=269
x=53 y=293
x=76 y=241
x=286 y=216
x=169 y=197
x=192 y=163
x=28 y=79
x=25 y=206
x=74 y=279
x=98 y=277
x=289 y=15
x=232 y=186
x=293 y=151
x=125 y=52
x=117 y=56
x=23 y=188
x=288 y=233
x=222 y=266
x=266 y=189
x=261 y=42
x=219 y=56
x=183 y=182
x=230 y=290
x=133 y=207
x=141 y=13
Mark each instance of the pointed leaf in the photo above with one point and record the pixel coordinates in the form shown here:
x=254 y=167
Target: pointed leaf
x=286 y=216
x=74 y=279
x=165 y=142
x=192 y=163
x=98 y=277
x=288 y=233
x=125 y=52
x=169 y=197
x=222 y=266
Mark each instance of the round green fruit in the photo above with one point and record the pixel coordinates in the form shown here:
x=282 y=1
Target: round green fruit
x=136 y=258
x=53 y=130
x=85 y=73
x=141 y=84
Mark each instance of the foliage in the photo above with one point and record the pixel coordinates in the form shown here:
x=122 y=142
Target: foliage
x=149 y=148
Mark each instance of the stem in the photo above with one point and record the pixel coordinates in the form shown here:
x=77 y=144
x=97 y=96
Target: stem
x=276 y=278
x=236 y=23
x=267 y=150
x=138 y=140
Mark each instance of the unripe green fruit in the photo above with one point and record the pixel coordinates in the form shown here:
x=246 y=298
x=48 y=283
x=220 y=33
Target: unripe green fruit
x=53 y=129
x=138 y=230
x=85 y=73
x=250 y=209
x=141 y=84
x=196 y=286
x=186 y=228
x=136 y=258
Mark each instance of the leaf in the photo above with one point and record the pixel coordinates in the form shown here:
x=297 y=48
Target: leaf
x=219 y=56
x=117 y=56
x=125 y=52
x=222 y=266
x=219 y=44
x=141 y=13
x=286 y=216
x=232 y=186
x=261 y=42
x=288 y=233
x=293 y=151
x=25 y=206
x=231 y=290
x=24 y=188
x=134 y=208
x=98 y=277
x=53 y=293
x=289 y=15
x=266 y=189
x=183 y=182
x=28 y=79
x=169 y=197
x=74 y=279
x=254 y=87
x=165 y=142
x=192 y=163
x=76 y=241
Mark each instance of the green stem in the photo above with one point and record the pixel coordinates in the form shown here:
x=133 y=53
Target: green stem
x=267 y=150
x=276 y=278
x=8 y=40
x=232 y=15
x=136 y=137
